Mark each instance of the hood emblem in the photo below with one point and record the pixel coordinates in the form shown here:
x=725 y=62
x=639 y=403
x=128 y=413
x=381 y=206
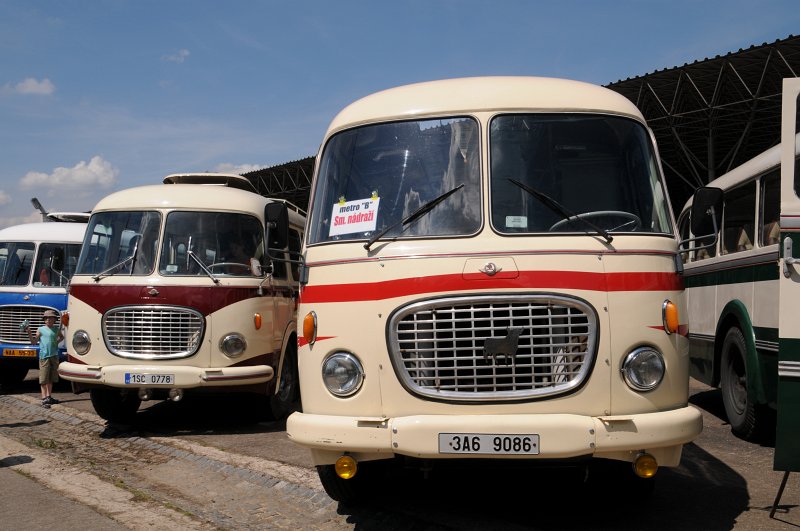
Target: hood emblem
x=505 y=347
x=490 y=269
x=153 y=292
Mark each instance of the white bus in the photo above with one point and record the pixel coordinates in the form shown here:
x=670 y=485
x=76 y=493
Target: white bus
x=37 y=261
x=180 y=287
x=491 y=272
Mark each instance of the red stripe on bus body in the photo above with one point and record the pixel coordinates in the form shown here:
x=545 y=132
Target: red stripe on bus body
x=373 y=291
x=301 y=341
x=205 y=300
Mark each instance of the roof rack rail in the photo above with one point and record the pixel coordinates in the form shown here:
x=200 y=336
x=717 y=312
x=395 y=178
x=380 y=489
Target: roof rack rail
x=213 y=179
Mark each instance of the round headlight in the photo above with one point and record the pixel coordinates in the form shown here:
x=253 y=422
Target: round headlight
x=81 y=342
x=233 y=345
x=342 y=374
x=643 y=369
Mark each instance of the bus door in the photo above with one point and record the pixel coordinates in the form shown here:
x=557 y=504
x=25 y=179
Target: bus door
x=787 y=443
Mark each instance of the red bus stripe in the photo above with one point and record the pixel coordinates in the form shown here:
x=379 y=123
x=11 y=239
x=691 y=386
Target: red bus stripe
x=374 y=291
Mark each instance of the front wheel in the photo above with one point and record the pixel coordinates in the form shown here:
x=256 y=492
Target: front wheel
x=354 y=490
x=286 y=399
x=743 y=414
x=115 y=405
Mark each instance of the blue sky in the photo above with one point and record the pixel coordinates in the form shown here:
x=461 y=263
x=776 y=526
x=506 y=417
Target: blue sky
x=98 y=96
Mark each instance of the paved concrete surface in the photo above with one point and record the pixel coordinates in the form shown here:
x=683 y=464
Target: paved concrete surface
x=214 y=463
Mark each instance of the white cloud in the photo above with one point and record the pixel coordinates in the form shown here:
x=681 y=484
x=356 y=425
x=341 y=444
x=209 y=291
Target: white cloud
x=10 y=221
x=4 y=198
x=238 y=169
x=178 y=57
x=82 y=178
x=29 y=85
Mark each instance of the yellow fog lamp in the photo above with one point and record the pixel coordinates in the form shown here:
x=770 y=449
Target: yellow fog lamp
x=346 y=467
x=645 y=465
x=310 y=328
x=669 y=315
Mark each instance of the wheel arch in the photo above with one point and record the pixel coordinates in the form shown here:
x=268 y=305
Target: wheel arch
x=735 y=314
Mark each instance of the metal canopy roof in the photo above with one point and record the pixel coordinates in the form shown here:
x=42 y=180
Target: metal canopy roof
x=712 y=115
x=290 y=181
x=708 y=117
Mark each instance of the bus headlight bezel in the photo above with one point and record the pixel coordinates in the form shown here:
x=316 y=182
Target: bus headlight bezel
x=233 y=345
x=342 y=374
x=643 y=369
x=81 y=342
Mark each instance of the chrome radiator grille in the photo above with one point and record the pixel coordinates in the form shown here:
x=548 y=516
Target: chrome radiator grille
x=153 y=332
x=493 y=347
x=12 y=316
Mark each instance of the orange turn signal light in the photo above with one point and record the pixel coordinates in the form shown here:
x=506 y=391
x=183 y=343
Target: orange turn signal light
x=669 y=313
x=257 y=321
x=310 y=328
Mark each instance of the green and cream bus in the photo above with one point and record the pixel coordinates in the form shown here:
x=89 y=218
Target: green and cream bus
x=492 y=272
x=740 y=287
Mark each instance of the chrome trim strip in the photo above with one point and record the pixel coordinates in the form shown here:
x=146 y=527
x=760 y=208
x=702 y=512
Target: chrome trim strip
x=761 y=344
x=790 y=222
x=789 y=369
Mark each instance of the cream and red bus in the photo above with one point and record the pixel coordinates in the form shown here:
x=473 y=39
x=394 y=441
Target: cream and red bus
x=491 y=272
x=186 y=286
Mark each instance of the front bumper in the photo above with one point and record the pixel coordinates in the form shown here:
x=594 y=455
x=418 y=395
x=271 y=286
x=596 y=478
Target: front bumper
x=561 y=436
x=185 y=377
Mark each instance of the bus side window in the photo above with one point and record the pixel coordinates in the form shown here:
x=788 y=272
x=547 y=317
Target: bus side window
x=738 y=224
x=769 y=223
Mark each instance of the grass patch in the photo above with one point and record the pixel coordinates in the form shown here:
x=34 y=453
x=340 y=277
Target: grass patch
x=47 y=444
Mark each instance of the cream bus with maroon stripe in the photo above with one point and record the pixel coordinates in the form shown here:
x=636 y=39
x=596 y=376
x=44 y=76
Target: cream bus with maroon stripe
x=491 y=272
x=178 y=289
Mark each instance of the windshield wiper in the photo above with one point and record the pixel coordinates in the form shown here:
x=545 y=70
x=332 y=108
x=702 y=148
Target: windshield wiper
x=108 y=272
x=559 y=209
x=418 y=213
x=206 y=270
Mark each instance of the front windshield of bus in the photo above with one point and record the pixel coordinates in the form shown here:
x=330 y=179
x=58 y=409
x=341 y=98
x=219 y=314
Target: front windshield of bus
x=120 y=243
x=223 y=242
x=55 y=264
x=599 y=168
x=16 y=263
x=373 y=178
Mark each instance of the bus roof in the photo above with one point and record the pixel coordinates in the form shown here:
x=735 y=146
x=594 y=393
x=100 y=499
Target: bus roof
x=753 y=168
x=476 y=94
x=197 y=197
x=44 y=232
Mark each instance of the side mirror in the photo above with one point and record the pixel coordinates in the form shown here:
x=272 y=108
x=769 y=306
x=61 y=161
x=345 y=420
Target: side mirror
x=706 y=211
x=276 y=216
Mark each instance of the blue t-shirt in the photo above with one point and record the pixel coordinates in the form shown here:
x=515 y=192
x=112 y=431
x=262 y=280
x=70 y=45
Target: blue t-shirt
x=48 y=342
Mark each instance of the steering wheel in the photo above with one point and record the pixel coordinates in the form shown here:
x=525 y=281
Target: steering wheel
x=229 y=264
x=630 y=217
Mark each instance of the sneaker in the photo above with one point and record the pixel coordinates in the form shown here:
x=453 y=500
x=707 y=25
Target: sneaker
x=45 y=404
x=51 y=400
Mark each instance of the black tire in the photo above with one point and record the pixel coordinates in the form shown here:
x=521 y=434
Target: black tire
x=115 y=405
x=743 y=414
x=286 y=399
x=12 y=374
x=351 y=491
